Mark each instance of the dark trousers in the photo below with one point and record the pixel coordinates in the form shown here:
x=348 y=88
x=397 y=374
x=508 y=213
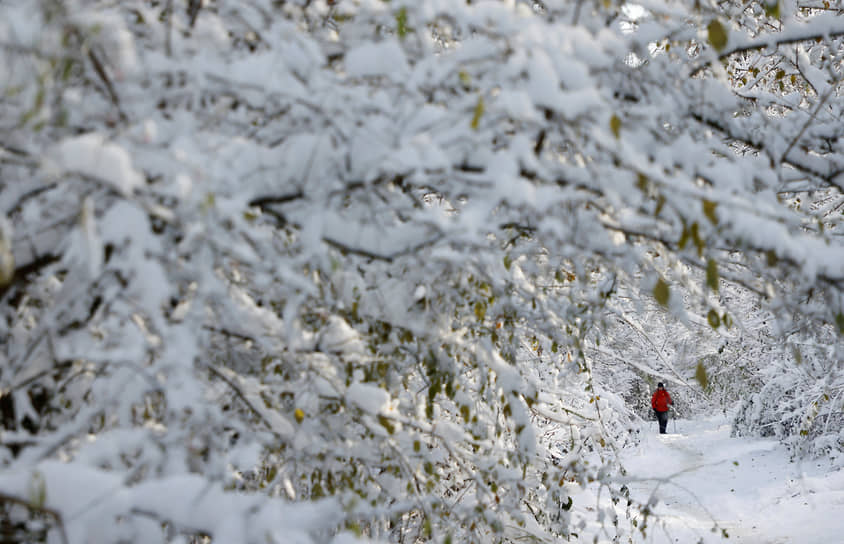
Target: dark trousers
x=662 y=417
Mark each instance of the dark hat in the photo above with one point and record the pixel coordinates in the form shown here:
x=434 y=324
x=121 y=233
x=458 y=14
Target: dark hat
x=660 y=384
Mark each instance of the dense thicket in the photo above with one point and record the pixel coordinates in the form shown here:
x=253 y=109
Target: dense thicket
x=277 y=271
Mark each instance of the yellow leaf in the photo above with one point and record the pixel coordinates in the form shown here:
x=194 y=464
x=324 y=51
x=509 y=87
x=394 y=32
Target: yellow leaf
x=709 y=211
x=717 y=35
x=684 y=238
x=660 y=203
x=662 y=292
x=480 y=310
x=299 y=415
x=714 y=320
x=387 y=424
x=698 y=241
x=712 y=274
x=700 y=376
x=479 y=111
x=772 y=8
x=615 y=126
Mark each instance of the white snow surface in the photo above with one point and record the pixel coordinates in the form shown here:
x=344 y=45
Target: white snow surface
x=91 y=155
x=377 y=59
x=698 y=477
x=369 y=398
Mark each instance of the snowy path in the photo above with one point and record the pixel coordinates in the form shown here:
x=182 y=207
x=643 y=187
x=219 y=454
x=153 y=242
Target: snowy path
x=701 y=477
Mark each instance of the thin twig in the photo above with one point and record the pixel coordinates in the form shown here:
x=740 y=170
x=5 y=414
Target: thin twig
x=100 y=69
x=808 y=122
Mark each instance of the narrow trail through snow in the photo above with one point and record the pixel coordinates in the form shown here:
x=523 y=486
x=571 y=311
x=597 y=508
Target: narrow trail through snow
x=705 y=484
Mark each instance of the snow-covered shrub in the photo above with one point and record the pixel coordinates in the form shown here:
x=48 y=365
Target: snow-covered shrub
x=801 y=399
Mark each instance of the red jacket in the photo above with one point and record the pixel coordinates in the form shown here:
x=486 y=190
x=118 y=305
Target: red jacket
x=661 y=400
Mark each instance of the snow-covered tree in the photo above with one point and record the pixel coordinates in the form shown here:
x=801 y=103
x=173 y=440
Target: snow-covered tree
x=278 y=271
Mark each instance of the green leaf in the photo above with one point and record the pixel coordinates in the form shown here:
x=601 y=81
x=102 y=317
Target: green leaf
x=772 y=8
x=714 y=320
x=717 y=35
x=662 y=292
x=839 y=320
x=615 y=126
x=507 y=262
x=709 y=211
x=401 y=22
x=479 y=111
x=712 y=274
x=700 y=375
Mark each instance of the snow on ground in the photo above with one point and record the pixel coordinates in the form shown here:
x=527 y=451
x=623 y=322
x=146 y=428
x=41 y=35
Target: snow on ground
x=701 y=478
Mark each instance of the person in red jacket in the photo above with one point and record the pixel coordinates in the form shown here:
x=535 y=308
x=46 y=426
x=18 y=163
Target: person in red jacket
x=659 y=402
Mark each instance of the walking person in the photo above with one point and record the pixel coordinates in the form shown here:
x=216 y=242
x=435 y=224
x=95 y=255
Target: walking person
x=660 y=402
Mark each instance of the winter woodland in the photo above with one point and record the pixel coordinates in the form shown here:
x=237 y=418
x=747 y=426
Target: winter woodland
x=322 y=271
